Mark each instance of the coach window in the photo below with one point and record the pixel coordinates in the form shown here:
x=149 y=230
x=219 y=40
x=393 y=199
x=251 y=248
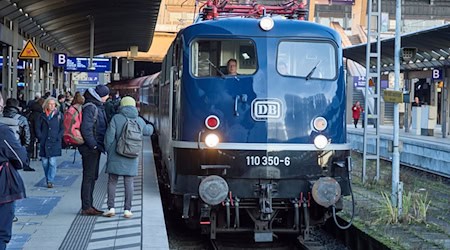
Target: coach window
x=210 y=57
x=309 y=59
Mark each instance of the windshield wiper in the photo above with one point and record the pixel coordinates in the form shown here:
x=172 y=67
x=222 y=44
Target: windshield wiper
x=312 y=71
x=215 y=67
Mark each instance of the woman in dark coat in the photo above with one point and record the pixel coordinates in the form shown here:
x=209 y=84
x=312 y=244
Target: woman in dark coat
x=12 y=157
x=36 y=112
x=49 y=131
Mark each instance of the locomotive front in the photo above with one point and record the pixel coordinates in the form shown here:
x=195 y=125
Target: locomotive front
x=262 y=150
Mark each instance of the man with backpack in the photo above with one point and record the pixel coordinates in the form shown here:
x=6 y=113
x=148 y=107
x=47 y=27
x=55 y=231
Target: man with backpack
x=123 y=143
x=93 y=129
x=17 y=123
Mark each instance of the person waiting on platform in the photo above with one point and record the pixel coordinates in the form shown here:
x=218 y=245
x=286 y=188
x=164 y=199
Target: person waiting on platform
x=13 y=156
x=232 y=67
x=119 y=165
x=416 y=102
x=49 y=132
x=357 y=110
x=93 y=129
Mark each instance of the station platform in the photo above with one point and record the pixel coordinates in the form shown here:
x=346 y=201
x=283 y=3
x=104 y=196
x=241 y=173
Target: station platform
x=429 y=153
x=49 y=218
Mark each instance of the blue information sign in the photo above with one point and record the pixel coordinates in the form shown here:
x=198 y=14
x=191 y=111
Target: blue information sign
x=81 y=64
x=359 y=81
x=20 y=63
x=343 y=2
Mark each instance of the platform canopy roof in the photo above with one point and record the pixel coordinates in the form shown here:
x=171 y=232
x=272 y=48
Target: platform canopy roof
x=64 y=25
x=433 y=50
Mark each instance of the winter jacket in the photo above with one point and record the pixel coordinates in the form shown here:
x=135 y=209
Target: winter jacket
x=11 y=185
x=356 y=111
x=49 y=131
x=110 y=109
x=117 y=164
x=36 y=111
x=93 y=130
x=10 y=111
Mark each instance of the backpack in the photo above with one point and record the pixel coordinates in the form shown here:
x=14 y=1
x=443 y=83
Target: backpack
x=72 y=124
x=13 y=124
x=129 y=143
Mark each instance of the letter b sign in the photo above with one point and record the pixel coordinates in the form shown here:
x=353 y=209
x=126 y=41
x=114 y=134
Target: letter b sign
x=436 y=74
x=60 y=60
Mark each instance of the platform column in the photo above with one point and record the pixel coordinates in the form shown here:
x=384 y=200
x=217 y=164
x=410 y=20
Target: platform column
x=444 y=103
x=15 y=48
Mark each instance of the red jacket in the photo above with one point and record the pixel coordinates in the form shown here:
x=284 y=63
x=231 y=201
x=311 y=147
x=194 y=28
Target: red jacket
x=357 y=111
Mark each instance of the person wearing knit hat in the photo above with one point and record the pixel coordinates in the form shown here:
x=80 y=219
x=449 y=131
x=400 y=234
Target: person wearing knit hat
x=102 y=90
x=118 y=165
x=128 y=101
x=93 y=128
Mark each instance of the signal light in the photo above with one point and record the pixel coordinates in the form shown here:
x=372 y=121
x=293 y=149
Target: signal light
x=212 y=122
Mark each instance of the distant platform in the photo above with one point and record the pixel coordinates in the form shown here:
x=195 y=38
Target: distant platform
x=430 y=153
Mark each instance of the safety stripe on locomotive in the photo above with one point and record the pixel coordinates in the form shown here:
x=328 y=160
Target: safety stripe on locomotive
x=262 y=146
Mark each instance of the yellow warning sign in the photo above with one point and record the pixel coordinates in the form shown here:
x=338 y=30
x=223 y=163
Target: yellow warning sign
x=29 y=51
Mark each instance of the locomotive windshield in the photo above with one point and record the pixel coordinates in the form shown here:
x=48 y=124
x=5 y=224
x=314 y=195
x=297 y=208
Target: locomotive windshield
x=220 y=57
x=307 y=59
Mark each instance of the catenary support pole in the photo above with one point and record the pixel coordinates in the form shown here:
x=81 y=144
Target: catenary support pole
x=396 y=196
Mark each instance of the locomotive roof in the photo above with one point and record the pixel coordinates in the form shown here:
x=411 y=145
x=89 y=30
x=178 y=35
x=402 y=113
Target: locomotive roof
x=241 y=27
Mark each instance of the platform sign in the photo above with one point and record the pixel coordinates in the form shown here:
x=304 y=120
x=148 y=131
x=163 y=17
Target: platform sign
x=359 y=81
x=342 y=2
x=81 y=64
x=436 y=74
x=29 y=51
x=393 y=96
x=60 y=60
x=20 y=63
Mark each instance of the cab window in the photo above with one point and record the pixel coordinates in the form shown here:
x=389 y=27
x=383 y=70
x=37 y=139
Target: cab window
x=307 y=59
x=210 y=57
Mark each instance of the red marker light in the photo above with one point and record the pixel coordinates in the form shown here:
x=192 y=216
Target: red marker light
x=212 y=122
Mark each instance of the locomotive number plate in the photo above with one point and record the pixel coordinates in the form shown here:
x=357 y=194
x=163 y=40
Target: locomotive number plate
x=256 y=160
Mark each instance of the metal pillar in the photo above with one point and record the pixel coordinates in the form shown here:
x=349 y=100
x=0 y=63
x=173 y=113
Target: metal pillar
x=408 y=104
x=13 y=56
x=444 y=103
x=6 y=72
x=396 y=196
x=375 y=75
x=91 y=47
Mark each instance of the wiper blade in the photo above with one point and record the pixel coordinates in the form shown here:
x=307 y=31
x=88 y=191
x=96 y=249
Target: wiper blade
x=312 y=71
x=215 y=67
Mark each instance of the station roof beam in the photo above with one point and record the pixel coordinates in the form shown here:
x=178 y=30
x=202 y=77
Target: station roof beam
x=64 y=25
x=433 y=50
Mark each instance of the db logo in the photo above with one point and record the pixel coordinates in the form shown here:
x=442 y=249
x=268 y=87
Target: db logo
x=263 y=109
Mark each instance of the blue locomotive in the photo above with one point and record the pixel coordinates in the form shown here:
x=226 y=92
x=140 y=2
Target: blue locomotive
x=261 y=150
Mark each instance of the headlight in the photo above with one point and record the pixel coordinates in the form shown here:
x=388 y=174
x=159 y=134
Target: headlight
x=213 y=190
x=266 y=23
x=211 y=140
x=320 y=123
x=320 y=141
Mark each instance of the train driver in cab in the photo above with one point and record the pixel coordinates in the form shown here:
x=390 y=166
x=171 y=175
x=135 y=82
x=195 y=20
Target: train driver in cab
x=232 y=67
x=282 y=68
